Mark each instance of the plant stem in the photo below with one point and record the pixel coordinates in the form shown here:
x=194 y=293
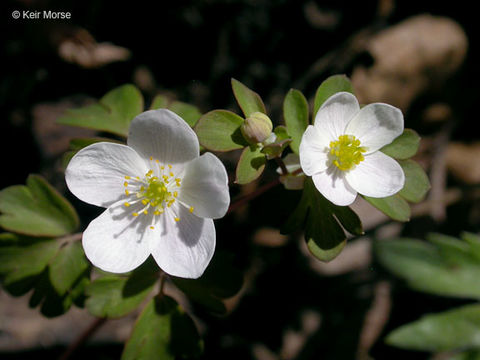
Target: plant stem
x=282 y=165
x=82 y=339
x=244 y=199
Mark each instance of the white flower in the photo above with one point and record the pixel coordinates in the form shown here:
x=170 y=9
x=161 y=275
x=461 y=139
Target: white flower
x=340 y=151
x=160 y=195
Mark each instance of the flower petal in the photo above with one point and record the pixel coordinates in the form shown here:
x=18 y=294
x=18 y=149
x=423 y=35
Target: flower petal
x=185 y=247
x=117 y=242
x=335 y=113
x=96 y=174
x=163 y=135
x=332 y=185
x=376 y=125
x=205 y=187
x=377 y=176
x=313 y=151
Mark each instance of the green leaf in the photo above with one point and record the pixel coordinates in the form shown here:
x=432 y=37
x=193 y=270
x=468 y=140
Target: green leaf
x=250 y=165
x=219 y=130
x=450 y=330
x=163 y=331
x=403 y=147
x=329 y=87
x=466 y=355
x=474 y=241
x=393 y=206
x=248 y=100
x=221 y=280
x=447 y=268
x=348 y=218
x=159 y=102
x=113 y=113
x=187 y=112
x=324 y=236
x=417 y=183
x=23 y=258
x=36 y=209
x=295 y=113
x=115 y=296
x=68 y=266
x=275 y=149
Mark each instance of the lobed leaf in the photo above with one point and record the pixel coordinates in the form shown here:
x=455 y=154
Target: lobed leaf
x=393 y=206
x=163 y=331
x=221 y=280
x=417 y=183
x=113 y=113
x=36 y=209
x=295 y=113
x=190 y=113
x=403 y=147
x=219 y=130
x=324 y=236
x=329 y=87
x=446 y=331
x=250 y=165
x=115 y=296
x=248 y=100
x=447 y=267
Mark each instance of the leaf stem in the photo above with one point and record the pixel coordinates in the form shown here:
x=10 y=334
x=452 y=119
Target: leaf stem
x=82 y=338
x=282 y=165
x=246 y=198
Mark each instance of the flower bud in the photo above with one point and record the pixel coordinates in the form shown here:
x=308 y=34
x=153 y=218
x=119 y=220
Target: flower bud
x=257 y=127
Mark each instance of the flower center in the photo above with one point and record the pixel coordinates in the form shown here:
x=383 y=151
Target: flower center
x=346 y=152
x=153 y=193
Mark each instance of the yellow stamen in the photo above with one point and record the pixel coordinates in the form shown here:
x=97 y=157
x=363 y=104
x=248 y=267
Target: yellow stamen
x=191 y=209
x=127 y=177
x=127 y=204
x=177 y=219
x=135 y=214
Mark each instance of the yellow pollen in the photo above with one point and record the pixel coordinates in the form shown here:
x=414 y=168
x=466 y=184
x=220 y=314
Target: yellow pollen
x=135 y=214
x=191 y=209
x=144 y=201
x=151 y=158
x=145 y=212
x=127 y=204
x=346 y=152
x=127 y=192
x=156 y=212
x=125 y=184
x=152 y=227
x=169 y=166
x=157 y=161
x=175 y=194
x=162 y=167
x=171 y=174
x=177 y=219
x=127 y=177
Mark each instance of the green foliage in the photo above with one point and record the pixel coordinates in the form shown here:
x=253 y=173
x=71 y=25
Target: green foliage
x=219 y=130
x=115 y=296
x=450 y=330
x=67 y=267
x=395 y=206
x=324 y=236
x=163 y=331
x=56 y=270
x=250 y=165
x=416 y=185
x=403 y=147
x=248 y=100
x=221 y=280
x=187 y=112
x=295 y=113
x=36 y=209
x=113 y=112
x=329 y=87
x=446 y=266
x=275 y=149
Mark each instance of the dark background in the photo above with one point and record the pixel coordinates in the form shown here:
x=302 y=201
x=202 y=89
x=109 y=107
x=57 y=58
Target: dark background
x=191 y=49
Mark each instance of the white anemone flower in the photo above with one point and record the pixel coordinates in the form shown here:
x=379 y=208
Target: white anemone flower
x=160 y=195
x=341 y=150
